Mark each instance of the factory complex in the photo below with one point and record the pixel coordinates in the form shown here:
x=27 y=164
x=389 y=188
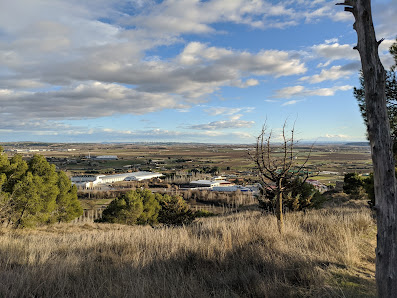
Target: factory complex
x=221 y=185
x=90 y=181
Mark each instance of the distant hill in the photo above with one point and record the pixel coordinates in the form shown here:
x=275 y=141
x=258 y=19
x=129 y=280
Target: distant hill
x=363 y=144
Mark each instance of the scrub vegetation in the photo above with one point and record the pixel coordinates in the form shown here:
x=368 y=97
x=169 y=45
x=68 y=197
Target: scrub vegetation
x=323 y=253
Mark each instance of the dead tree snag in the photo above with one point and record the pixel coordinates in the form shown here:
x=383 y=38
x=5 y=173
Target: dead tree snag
x=381 y=147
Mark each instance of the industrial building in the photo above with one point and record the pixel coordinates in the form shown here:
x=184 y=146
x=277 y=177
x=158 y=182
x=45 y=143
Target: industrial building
x=210 y=183
x=92 y=181
x=231 y=188
x=107 y=157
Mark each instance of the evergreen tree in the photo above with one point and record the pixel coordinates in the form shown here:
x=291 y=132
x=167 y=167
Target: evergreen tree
x=48 y=191
x=67 y=205
x=35 y=193
x=175 y=211
x=26 y=201
x=151 y=207
x=16 y=169
x=391 y=96
x=124 y=210
x=144 y=207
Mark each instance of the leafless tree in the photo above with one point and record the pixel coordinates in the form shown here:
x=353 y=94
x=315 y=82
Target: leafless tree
x=277 y=165
x=381 y=146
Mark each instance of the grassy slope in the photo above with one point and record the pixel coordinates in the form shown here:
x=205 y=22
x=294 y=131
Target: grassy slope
x=324 y=253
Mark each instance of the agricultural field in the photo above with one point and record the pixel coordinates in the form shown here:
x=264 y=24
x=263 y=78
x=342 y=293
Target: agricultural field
x=327 y=163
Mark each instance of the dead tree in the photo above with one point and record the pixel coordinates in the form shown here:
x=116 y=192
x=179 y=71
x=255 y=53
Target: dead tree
x=381 y=147
x=277 y=165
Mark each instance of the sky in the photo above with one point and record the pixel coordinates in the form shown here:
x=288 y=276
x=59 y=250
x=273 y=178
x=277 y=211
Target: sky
x=209 y=71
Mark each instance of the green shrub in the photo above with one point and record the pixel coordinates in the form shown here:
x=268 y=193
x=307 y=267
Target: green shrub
x=175 y=211
x=360 y=188
x=300 y=196
x=133 y=207
x=203 y=213
x=143 y=207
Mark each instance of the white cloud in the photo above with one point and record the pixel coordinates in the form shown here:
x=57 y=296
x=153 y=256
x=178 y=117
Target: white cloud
x=332 y=74
x=336 y=51
x=336 y=136
x=224 y=124
x=291 y=102
x=301 y=91
x=215 y=111
x=385 y=16
x=89 y=100
x=88 y=59
x=332 y=50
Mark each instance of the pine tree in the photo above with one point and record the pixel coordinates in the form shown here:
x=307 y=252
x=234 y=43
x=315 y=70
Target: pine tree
x=67 y=205
x=35 y=193
x=391 y=96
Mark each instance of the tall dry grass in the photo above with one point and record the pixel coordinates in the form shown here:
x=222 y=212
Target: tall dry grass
x=241 y=255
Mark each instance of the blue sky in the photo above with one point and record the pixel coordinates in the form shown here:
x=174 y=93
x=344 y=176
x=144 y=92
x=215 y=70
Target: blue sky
x=181 y=70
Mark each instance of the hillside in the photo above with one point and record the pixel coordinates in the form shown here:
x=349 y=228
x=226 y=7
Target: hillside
x=328 y=253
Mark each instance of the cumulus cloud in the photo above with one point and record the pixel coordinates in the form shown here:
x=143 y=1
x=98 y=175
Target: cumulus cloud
x=88 y=59
x=89 y=100
x=332 y=74
x=385 y=14
x=335 y=51
x=225 y=124
x=301 y=91
x=332 y=50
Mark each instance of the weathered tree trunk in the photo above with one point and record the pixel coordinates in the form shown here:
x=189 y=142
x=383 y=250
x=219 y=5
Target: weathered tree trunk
x=279 y=208
x=381 y=147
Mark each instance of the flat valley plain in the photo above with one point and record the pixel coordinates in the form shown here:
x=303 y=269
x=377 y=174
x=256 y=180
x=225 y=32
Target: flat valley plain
x=327 y=162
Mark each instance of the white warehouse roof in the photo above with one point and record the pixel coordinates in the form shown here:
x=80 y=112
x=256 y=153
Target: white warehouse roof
x=139 y=176
x=135 y=176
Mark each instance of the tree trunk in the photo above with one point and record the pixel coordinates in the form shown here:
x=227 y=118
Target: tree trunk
x=279 y=208
x=381 y=148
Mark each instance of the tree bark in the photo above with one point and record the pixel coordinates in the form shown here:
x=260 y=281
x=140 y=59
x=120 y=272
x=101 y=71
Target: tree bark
x=381 y=147
x=279 y=208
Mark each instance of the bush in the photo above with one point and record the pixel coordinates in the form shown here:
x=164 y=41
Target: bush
x=175 y=211
x=354 y=186
x=360 y=188
x=143 y=207
x=133 y=207
x=300 y=196
x=203 y=213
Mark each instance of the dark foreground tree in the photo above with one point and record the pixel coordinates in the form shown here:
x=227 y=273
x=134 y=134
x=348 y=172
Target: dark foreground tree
x=278 y=167
x=35 y=193
x=381 y=146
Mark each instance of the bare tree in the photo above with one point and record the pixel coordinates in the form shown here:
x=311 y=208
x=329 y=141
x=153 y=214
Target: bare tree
x=381 y=147
x=278 y=165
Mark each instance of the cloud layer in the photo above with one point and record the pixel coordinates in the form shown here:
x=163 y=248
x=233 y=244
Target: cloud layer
x=70 y=60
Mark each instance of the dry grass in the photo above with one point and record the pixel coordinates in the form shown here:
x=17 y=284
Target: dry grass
x=325 y=253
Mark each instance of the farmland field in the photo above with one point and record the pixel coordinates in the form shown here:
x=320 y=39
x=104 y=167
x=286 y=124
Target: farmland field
x=171 y=158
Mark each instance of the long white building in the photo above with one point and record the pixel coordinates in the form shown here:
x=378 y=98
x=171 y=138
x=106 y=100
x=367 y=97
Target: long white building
x=92 y=181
